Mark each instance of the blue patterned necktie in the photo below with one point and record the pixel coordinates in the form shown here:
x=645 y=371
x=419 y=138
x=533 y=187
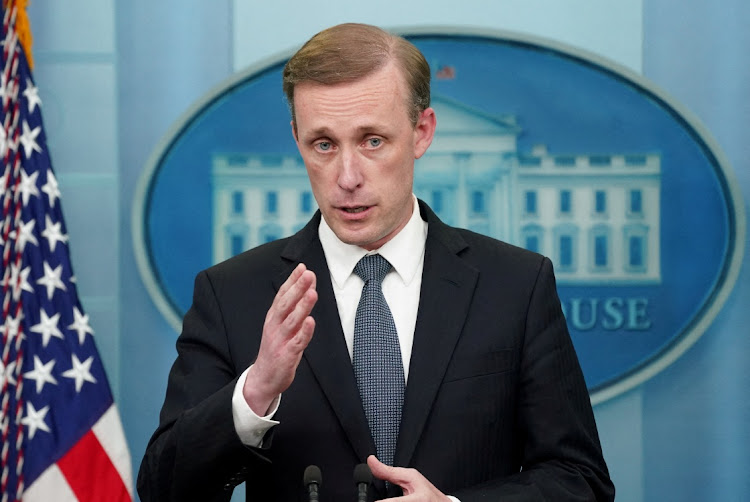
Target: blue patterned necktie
x=377 y=358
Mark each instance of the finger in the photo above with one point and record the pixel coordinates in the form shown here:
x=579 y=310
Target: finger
x=304 y=335
x=301 y=312
x=285 y=302
x=305 y=282
x=296 y=273
x=298 y=281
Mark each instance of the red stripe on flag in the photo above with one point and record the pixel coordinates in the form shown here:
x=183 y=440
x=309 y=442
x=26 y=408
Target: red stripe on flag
x=91 y=474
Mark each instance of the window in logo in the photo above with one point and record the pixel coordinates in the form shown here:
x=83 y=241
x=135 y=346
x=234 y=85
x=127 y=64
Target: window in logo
x=532 y=243
x=238 y=203
x=532 y=238
x=305 y=202
x=566 y=202
x=636 y=203
x=270 y=232
x=600 y=161
x=565 y=239
x=235 y=237
x=636 y=160
x=530 y=203
x=237 y=244
x=566 y=251
x=478 y=202
x=636 y=240
x=636 y=251
x=601 y=246
x=565 y=160
x=600 y=202
x=272 y=203
x=437 y=201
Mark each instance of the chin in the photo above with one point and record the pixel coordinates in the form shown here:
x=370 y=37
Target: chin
x=355 y=239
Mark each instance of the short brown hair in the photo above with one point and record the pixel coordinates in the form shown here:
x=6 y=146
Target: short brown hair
x=348 y=52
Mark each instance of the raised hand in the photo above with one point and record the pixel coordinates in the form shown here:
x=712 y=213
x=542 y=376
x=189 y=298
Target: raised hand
x=287 y=330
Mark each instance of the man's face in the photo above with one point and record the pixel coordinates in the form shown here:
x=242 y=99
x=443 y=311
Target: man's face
x=359 y=147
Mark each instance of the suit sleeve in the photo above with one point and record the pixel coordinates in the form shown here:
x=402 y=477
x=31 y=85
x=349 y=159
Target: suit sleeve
x=195 y=453
x=561 y=454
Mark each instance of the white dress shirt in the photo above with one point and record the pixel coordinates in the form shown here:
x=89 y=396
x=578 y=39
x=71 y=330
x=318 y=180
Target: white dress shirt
x=401 y=286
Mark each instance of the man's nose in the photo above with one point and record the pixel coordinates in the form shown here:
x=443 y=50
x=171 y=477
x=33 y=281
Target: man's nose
x=350 y=170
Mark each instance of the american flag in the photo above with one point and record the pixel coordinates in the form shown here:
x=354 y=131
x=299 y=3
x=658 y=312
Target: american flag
x=62 y=438
x=445 y=72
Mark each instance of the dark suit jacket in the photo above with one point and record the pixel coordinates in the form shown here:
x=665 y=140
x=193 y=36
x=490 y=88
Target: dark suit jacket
x=496 y=407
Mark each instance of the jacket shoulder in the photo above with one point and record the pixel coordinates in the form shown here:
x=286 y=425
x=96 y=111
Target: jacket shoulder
x=490 y=254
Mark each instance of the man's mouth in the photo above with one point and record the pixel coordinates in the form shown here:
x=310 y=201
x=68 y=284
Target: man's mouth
x=354 y=210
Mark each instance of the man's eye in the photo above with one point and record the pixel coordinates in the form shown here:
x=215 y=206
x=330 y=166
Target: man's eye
x=324 y=146
x=374 y=142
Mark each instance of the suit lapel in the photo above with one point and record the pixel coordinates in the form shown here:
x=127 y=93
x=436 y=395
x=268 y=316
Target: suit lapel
x=448 y=285
x=327 y=354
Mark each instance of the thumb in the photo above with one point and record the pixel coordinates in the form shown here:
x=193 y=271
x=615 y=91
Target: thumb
x=378 y=468
x=385 y=472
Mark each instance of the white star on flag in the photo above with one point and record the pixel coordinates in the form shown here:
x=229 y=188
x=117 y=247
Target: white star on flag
x=42 y=373
x=47 y=327
x=34 y=419
x=81 y=371
x=25 y=234
x=32 y=95
x=81 y=325
x=51 y=188
x=28 y=139
x=7 y=375
x=52 y=279
x=53 y=233
x=19 y=280
x=11 y=325
x=27 y=187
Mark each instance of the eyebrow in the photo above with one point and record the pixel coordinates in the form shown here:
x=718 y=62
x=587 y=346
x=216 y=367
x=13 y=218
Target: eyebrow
x=326 y=131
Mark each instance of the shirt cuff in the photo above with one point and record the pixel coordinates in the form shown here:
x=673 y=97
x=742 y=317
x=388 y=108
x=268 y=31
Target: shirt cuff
x=249 y=426
x=452 y=499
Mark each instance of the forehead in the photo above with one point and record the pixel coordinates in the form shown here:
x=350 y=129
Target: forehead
x=381 y=95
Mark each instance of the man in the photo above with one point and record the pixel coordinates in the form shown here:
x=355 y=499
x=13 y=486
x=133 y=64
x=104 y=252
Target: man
x=270 y=375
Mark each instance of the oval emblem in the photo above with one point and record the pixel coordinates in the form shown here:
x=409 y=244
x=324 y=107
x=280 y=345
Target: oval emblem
x=537 y=144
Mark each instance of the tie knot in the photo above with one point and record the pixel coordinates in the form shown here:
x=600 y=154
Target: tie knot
x=372 y=267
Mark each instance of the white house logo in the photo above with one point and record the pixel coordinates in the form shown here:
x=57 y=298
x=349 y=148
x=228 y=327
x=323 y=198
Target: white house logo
x=537 y=145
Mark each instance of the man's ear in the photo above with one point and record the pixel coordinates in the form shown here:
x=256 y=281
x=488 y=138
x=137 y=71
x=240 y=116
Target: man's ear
x=424 y=131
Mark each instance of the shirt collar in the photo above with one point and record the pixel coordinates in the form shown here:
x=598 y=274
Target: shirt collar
x=405 y=251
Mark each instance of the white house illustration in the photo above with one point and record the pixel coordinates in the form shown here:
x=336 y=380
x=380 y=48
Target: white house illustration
x=596 y=216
